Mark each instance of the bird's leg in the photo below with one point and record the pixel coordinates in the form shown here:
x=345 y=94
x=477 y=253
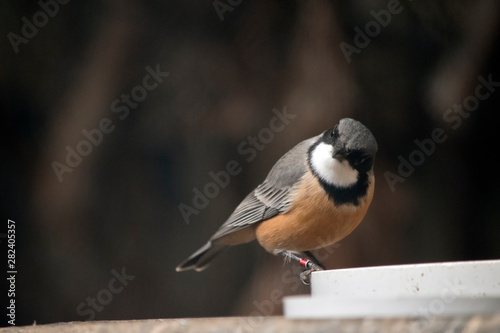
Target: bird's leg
x=310 y=265
x=313 y=258
x=315 y=265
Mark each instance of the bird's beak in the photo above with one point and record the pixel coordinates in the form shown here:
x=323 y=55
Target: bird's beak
x=339 y=154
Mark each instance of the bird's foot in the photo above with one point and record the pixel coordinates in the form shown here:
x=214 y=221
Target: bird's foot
x=305 y=277
x=310 y=266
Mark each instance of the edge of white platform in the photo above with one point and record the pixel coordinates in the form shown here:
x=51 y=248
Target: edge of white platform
x=307 y=307
x=449 y=288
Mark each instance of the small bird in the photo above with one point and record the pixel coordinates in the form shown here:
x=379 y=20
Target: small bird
x=314 y=196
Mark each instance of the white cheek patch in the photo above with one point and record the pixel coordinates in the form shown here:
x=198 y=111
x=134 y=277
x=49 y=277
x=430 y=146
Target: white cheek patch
x=331 y=170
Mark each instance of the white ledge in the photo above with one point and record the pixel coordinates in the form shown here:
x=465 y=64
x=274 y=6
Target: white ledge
x=418 y=290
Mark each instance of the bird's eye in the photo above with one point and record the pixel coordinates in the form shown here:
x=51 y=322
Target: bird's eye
x=334 y=133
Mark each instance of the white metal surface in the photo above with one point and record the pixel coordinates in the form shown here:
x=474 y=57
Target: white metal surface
x=403 y=290
x=306 y=307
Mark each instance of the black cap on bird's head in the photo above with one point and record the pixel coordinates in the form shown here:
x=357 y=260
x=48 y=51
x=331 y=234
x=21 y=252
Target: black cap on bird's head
x=353 y=142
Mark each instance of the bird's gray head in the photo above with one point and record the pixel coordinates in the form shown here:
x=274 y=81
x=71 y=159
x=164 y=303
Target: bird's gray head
x=343 y=152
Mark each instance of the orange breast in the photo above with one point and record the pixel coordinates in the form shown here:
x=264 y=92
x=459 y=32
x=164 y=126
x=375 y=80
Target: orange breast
x=313 y=221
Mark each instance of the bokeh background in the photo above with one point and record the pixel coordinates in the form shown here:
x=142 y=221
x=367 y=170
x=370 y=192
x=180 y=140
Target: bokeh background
x=118 y=209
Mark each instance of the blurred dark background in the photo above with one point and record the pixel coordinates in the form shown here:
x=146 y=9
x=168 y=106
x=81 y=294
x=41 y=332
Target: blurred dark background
x=230 y=63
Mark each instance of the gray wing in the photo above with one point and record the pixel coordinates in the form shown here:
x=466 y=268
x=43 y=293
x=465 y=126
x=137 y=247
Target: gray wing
x=272 y=197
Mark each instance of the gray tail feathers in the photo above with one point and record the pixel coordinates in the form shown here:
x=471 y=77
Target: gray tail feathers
x=201 y=258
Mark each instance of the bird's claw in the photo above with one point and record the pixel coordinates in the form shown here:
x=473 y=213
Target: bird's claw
x=305 y=276
x=310 y=265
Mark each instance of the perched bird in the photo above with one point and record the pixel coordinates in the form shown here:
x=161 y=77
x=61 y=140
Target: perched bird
x=314 y=196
